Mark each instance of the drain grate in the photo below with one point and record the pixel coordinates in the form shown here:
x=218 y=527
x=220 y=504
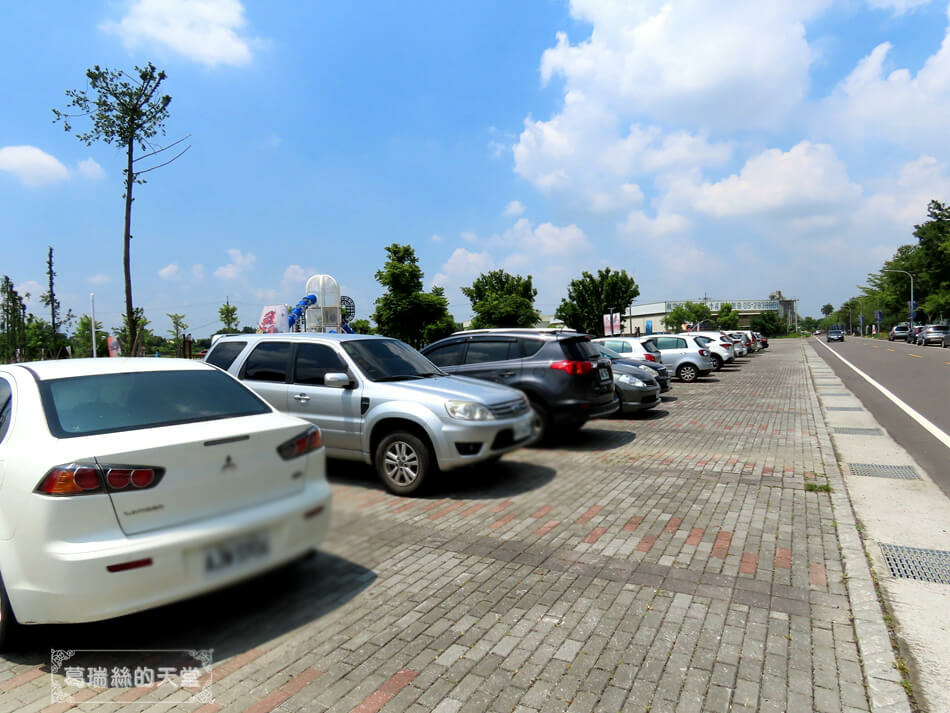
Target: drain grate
x=847 y=430
x=844 y=408
x=903 y=472
x=917 y=563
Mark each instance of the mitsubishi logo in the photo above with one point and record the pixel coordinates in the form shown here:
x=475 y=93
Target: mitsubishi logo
x=228 y=464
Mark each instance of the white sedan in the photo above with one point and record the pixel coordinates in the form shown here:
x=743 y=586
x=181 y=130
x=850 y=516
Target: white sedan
x=126 y=484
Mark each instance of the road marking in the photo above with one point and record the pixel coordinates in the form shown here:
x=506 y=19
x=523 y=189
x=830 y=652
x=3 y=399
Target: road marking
x=913 y=413
x=916 y=356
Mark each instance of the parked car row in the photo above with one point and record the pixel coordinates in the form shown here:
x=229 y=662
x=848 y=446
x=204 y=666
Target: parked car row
x=128 y=484
x=921 y=334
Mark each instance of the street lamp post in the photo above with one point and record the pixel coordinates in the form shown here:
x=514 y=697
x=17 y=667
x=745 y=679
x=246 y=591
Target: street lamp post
x=912 y=305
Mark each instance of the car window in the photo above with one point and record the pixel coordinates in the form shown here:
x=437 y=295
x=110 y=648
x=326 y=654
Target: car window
x=105 y=403
x=649 y=346
x=529 y=347
x=580 y=349
x=447 y=354
x=702 y=341
x=483 y=351
x=268 y=362
x=223 y=354
x=6 y=407
x=389 y=360
x=617 y=345
x=314 y=361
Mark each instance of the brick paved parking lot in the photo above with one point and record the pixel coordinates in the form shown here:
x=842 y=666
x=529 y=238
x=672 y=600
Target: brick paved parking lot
x=672 y=561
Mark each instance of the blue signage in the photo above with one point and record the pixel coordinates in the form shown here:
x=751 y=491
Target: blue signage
x=649 y=326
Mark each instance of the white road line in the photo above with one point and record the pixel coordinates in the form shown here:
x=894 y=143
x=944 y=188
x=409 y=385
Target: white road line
x=916 y=415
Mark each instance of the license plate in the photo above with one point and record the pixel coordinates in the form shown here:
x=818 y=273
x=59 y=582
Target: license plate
x=604 y=374
x=522 y=430
x=236 y=552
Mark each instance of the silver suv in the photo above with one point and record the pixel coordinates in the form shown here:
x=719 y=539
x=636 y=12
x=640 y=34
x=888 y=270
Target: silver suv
x=378 y=400
x=683 y=355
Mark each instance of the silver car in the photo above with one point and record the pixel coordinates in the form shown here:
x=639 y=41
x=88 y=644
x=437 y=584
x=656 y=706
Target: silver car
x=683 y=355
x=378 y=400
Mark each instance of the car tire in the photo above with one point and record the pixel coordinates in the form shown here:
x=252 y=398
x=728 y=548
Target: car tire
x=717 y=360
x=542 y=421
x=686 y=373
x=8 y=622
x=403 y=462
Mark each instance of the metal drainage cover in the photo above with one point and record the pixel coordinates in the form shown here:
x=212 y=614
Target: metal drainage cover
x=904 y=472
x=917 y=563
x=847 y=430
x=844 y=408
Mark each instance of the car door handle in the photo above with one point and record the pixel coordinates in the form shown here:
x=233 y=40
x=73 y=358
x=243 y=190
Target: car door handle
x=302 y=398
x=506 y=373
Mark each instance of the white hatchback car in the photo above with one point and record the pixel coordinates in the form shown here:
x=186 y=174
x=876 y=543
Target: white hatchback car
x=126 y=484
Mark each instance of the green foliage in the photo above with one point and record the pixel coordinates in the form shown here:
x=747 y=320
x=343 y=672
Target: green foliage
x=362 y=326
x=768 y=323
x=81 y=341
x=55 y=346
x=227 y=313
x=827 y=309
x=133 y=341
x=502 y=300
x=727 y=318
x=129 y=112
x=590 y=297
x=12 y=323
x=694 y=313
x=177 y=332
x=404 y=311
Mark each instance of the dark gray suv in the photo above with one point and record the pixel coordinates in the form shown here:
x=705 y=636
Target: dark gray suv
x=562 y=373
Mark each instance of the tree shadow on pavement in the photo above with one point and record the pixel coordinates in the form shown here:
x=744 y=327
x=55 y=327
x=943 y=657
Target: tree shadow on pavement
x=230 y=621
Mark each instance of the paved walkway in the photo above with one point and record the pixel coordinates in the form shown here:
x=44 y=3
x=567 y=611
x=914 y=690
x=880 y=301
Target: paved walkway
x=671 y=562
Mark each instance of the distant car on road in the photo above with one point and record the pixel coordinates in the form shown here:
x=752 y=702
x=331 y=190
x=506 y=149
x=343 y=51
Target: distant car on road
x=898 y=331
x=835 y=335
x=932 y=334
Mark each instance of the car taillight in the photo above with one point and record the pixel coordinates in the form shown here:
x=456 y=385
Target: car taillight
x=309 y=440
x=724 y=346
x=649 y=357
x=78 y=479
x=574 y=368
x=703 y=352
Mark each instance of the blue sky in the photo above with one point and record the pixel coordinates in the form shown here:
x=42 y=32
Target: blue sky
x=724 y=152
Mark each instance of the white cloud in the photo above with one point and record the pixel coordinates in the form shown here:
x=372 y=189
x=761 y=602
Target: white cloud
x=462 y=267
x=514 y=208
x=892 y=106
x=806 y=181
x=169 y=272
x=198 y=271
x=34 y=167
x=205 y=31
x=436 y=238
x=99 y=279
x=89 y=168
x=900 y=202
x=30 y=291
x=240 y=263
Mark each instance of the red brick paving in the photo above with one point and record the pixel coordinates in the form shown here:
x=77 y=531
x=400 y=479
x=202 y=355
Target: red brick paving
x=783 y=558
x=632 y=524
x=383 y=694
x=547 y=527
x=591 y=512
x=748 y=563
x=646 y=543
x=721 y=545
x=695 y=536
x=595 y=535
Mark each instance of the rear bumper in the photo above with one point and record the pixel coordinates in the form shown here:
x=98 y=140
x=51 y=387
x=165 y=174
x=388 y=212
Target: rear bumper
x=67 y=582
x=567 y=413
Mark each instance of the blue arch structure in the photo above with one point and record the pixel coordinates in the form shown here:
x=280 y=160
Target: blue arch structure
x=297 y=313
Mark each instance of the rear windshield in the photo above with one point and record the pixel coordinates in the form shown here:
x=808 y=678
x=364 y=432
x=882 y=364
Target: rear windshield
x=939 y=328
x=105 y=403
x=223 y=354
x=650 y=346
x=580 y=349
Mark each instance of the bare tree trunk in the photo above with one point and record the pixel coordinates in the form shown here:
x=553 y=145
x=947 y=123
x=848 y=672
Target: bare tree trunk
x=133 y=326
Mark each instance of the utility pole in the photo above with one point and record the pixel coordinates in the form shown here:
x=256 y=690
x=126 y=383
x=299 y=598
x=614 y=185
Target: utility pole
x=92 y=308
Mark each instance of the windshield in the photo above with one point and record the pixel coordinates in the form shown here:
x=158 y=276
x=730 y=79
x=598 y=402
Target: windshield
x=105 y=403
x=610 y=353
x=389 y=360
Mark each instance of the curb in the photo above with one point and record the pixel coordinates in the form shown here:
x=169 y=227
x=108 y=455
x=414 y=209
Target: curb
x=881 y=677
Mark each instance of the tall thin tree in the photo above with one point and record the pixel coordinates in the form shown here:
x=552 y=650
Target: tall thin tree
x=129 y=112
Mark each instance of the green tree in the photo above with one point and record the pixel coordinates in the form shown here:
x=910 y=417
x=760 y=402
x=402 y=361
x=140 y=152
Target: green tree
x=12 y=323
x=404 y=311
x=768 y=323
x=128 y=112
x=827 y=310
x=361 y=326
x=56 y=344
x=228 y=315
x=502 y=300
x=590 y=297
x=727 y=318
x=133 y=342
x=177 y=332
x=694 y=313
x=81 y=340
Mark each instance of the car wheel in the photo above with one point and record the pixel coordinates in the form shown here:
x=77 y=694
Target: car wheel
x=403 y=462
x=717 y=360
x=686 y=373
x=542 y=421
x=8 y=623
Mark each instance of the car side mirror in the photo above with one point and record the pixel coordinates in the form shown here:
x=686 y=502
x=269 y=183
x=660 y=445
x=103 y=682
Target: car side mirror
x=337 y=380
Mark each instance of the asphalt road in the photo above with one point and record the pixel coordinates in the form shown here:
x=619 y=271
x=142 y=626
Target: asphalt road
x=919 y=376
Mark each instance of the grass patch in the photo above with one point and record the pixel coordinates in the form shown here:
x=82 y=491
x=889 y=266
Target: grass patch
x=815 y=488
